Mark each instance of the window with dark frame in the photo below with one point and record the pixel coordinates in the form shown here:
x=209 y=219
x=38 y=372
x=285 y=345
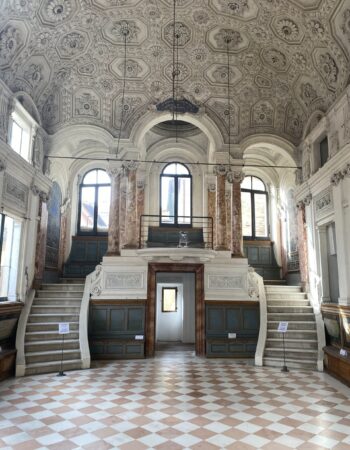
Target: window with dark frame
x=169 y=299
x=94 y=203
x=175 y=195
x=254 y=208
x=323 y=151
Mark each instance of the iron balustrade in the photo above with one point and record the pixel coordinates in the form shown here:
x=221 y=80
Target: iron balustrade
x=196 y=233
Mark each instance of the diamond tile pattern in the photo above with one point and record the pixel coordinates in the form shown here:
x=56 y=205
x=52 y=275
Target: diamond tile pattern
x=174 y=402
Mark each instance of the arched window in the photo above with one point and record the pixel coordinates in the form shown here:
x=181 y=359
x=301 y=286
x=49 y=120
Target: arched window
x=254 y=208
x=94 y=201
x=175 y=195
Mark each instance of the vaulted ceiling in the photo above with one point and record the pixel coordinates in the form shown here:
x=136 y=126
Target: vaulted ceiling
x=288 y=58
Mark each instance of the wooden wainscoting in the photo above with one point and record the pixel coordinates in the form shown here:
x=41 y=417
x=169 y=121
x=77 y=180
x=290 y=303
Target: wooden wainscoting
x=9 y=315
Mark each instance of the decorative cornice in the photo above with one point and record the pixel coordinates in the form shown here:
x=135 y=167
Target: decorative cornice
x=235 y=176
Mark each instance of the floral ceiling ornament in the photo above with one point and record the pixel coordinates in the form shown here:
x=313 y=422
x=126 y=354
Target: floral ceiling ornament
x=287 y=30
x=58 y=10
x=225 y=34
x=345 y=26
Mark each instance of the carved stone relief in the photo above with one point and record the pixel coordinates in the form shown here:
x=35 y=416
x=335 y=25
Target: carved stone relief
x=224 y=282
x=15 y=193
x=124 y=280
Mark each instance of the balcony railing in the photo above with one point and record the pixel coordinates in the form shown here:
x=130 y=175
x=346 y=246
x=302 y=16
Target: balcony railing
x=153 y=233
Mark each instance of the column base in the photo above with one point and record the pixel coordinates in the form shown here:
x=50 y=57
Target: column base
x=115 y=253
x=221 y=248
x=237 y=255
x=130 y=247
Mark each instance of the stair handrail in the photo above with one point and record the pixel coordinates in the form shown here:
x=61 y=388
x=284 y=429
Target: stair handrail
x=257 y=290
x=320 y=329
x=21 y=332
x=92 y=286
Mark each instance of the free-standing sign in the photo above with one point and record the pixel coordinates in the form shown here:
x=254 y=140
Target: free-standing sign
x=63 y=328
x=282 y=327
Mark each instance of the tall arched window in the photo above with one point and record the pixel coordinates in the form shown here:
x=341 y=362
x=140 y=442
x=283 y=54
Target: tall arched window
x=175 y=195
x=254 y=208
x=94 y=201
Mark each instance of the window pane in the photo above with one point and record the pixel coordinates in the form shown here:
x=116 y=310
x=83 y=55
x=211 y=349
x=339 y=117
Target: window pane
x=246 y=183
x=258 y=185
x=102 y=177
x=104 y=198
x=169 y=300
x=168 y=199
x=90 y=177
x=9 y=258
x=260 y=215
x=184 y=200
x=16 y=137
x=176 y=169
x=246 y=214
x=25 y=144
x=87 y=208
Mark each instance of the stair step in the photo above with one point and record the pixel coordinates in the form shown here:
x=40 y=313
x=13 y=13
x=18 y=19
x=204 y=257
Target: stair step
x=49 y=327
x=72 y=280
x=43 y=318
x=286 y=309
x=292 y=334
x=293 y=325
x=292 y=344
x=301 y=353
x=53 y=345
x=275 y=282
x=55 y=309
x=65 y=287
x=58 y=294
x=53 y=366
x=286 y=296
x=290 y=363
x=287 y=302
x=290 y=317
x=54 y=355
x=57 y=301
x=49 y=335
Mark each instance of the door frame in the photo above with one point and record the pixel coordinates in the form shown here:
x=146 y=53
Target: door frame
x=198 y=270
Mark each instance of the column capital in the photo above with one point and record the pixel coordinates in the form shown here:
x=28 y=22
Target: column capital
x=130 y=166
x=221 y=169
x=235 y=176
x=211 y=187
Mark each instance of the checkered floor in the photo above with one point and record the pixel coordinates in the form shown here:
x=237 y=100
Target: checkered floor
x=175 y=401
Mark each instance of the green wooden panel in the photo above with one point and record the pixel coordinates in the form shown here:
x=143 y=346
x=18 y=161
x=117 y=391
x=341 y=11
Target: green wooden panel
x=215 y=319
x=251 y=319
x=133 y=349
x=116 y=349
x=91 y=251
x=117 y=319
x=236 y=348
x=233 y=319
x=253 y=254
x=97 y=348
x=218 y=348
x=99 y=319
x=135 y=319
x=265 y=255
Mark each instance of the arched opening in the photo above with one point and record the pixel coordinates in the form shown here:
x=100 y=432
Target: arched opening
x=254 y=197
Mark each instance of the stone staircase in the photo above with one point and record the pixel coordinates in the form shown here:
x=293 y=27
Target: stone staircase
x=290 y=304
x=53 y=303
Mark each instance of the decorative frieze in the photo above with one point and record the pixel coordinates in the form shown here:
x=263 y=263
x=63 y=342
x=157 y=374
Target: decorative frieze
x=323 y=202
x=224 y=282
x=338 y=176
x=15 y=193
x=124 y=280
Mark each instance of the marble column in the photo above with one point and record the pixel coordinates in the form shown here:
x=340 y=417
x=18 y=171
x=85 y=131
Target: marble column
x=122 y=207
x=65 y=210
x=140 y=201
x=228 y=217
x=131 y=212
x=220 y=171
x=40 y=250
x=113 y=248
x=212 y=212
x=302 y=245
x=235 y=178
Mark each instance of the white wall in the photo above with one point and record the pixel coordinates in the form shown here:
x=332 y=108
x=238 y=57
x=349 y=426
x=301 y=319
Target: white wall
x=187 y=283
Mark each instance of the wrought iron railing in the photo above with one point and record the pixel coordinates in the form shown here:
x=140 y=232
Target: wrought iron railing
x=193 y=232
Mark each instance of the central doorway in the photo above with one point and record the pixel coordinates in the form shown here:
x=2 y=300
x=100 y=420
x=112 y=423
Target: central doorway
x=175 y=311
x=165 y=316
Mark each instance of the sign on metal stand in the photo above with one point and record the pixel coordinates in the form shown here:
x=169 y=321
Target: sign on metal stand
x=63 y=328
x=282 y=328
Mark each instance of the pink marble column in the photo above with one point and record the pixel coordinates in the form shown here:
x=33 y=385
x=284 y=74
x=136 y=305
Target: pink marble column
x=40 y=250
x=122 y=207
x=114 y=228
x=302 y=245
x=63 y=233
x=220 y=172
x=212 y=210
x=228 y=217
x=235 y=178
x=131 y=212
x=140 y=200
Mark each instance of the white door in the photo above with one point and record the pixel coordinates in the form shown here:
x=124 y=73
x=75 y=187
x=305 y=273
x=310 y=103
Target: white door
x=169 y=312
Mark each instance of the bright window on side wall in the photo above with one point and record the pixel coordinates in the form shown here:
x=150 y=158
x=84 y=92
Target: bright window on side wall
x=94 y=202
x=21 y=132
x=254 y=208
x=10 y=238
